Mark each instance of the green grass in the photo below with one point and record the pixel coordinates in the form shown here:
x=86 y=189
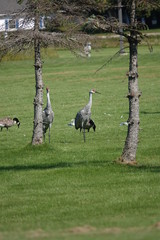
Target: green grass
x=68 y=189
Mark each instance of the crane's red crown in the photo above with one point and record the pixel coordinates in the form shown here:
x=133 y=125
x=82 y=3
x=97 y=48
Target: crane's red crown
x=94 y=91
x=47 y=89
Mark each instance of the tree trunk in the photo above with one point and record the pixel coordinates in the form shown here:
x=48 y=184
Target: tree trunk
x=131 y=143
x=120 y=18
x=37 y=137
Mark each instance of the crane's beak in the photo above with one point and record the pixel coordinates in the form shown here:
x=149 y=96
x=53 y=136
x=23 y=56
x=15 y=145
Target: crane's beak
x=97 y=92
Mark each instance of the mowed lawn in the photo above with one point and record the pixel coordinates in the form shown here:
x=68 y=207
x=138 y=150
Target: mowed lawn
x=69 y=189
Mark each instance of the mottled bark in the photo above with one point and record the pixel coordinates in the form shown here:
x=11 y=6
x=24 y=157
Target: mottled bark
x=37 y=137
x=131 y=143
x=130 y=148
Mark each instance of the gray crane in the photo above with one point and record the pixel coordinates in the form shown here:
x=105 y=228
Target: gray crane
x=9 y=122
x=48 y=116
x=83 y=118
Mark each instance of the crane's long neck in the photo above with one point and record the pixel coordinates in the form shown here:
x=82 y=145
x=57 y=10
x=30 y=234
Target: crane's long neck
x=48 y=100
x=90 y=100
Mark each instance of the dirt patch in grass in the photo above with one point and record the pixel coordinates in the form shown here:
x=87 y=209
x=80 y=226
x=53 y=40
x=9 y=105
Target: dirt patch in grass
x=37 y=234
x=82 y=229
x=113 y=230
x=85 y=230
x=93 y=230
x=125 y=162
x=157 y=225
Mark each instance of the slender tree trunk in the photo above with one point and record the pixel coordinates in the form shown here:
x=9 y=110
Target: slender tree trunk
x=120 y=18
x=37 y=137
x=131 y=143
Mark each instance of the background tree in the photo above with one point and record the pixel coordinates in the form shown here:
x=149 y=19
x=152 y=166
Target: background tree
x=132 y=32
x=130 y=148
x=55 y=12
x=131 y=143
x=64 y=11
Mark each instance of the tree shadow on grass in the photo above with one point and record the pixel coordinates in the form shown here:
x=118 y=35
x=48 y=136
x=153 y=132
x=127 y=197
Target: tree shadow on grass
x=147 y=168
x=73 y=164
x=145 y=112
x=35 y=167
x=47 y=166
x=52 y=166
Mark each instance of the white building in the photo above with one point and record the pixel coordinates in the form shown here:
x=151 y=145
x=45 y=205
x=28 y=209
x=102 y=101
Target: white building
x=8 y=21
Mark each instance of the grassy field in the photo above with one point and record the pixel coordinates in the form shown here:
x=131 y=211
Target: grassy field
x=68 y=189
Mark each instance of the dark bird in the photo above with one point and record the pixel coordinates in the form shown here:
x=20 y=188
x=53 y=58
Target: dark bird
x=83 y=118
x=9 y=122
x=48 y=116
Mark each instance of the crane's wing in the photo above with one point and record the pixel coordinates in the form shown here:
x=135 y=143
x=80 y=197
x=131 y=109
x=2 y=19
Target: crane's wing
x=48 y=117
x=82 y=118
x=78 y=120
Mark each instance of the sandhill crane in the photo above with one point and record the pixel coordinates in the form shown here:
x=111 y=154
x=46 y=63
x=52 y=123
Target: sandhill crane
x=83 y=118
x=87 y=49
x=48 y=116
x=9 y=122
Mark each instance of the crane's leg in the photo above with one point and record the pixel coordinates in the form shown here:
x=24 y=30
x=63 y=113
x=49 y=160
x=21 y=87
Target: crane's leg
x=49 y=132
x=44 y=133
x=84 y=136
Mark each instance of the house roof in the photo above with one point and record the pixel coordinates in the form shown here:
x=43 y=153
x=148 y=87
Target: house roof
x=10 y=6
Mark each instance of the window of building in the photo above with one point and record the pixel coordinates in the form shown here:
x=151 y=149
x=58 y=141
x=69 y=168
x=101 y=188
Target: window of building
x=12 y=24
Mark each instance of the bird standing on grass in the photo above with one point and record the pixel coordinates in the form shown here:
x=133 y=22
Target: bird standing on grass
x=83 y=118
x=9 y=122
x=48 y=116
x=87 y=49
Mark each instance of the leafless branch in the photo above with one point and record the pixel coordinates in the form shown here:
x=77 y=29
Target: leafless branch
x=110 y=59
